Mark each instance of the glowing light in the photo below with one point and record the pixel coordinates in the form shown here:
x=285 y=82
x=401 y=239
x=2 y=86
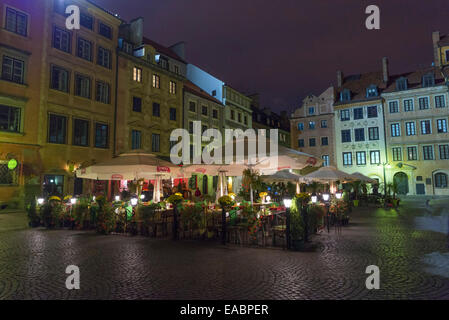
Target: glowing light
x=142 y=196
x=287 y=203
x=134 y=202
x=117 y=198
x=338 y=195
x=268 y=198
x=40 y=201
x=12 y=164
x=314 y=199
x=326 y=197
x=73 y=200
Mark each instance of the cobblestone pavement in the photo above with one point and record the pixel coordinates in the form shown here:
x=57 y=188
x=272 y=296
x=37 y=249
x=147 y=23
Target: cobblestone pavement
x=33 y=262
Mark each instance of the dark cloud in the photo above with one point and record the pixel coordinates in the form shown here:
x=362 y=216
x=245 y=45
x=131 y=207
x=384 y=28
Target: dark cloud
x=287 y=49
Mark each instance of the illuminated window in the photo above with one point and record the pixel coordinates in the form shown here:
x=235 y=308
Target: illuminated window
x=172 y=87
x=137 y=74
x=156 y=81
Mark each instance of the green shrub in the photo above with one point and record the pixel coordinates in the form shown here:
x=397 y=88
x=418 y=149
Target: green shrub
x=33 y=217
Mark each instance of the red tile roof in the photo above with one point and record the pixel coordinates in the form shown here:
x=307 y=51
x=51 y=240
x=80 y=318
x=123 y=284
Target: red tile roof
x=162 y=49
x=414 y=79
x=357 y=84
x=444 y=40
x=192 y=88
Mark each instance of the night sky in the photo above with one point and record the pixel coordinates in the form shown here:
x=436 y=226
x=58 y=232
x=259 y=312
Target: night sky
x=287 y=49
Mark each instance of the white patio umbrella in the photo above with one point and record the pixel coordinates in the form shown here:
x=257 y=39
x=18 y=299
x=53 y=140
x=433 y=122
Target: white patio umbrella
x=132 y=166
x=284 y=176
x=328 y=174
x=363 y=178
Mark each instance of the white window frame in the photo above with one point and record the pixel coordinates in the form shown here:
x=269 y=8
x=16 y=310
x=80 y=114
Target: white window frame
x=413 y=104
x=428 y=102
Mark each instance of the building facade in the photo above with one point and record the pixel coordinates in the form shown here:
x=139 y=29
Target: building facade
x=359 y=123
x=312 y=127
x=264 y=118
x=150 y=93
x=238 y=113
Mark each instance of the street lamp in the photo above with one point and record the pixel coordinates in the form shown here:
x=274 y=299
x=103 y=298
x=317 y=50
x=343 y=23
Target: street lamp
x=326 y=197
x=73 y=201
x=388 y=166
x=314 y=199
x=338 y=195
x=40 y=201
x=267 y=199
x=134 y=202
x=117 y=198
x=142 y=197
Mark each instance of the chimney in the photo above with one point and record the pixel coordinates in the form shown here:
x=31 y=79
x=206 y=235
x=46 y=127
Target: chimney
x=339 y=78
x=180 y=49
x=385 y=71
x=436 y=49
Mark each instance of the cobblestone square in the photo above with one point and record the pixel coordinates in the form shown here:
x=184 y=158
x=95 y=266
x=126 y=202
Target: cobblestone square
x=412 y=256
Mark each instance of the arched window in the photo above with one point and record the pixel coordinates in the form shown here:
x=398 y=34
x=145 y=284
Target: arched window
x=440 y=180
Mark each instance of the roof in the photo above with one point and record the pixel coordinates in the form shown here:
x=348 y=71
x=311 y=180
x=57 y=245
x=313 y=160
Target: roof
x=444 y=41
x=414 y=79
x=267 y=113
x=357 y=84
x=115 y=15
x=162 y=49
x=194 y=89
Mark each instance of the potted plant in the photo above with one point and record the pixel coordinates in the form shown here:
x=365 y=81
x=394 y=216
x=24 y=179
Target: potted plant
x=356 y=185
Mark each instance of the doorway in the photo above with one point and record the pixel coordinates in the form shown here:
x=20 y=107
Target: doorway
x=401 y=181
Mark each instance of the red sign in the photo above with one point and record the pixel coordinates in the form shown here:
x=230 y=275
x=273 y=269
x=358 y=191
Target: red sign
x=283 y=168
x=163 y=169
x=311 y=161
x=117 y=177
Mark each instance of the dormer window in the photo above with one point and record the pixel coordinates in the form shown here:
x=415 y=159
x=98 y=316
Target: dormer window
x=345 y=95
x=371 y=91
x=401 y=84
x=428 y=80
x=163 y=62
x=311 y=110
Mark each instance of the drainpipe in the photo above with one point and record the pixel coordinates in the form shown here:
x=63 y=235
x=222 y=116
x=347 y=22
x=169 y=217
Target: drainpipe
x=433 y=182
x=385 y=138
x=115 y=104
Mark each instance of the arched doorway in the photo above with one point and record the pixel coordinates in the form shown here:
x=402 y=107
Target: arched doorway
x=205 y=184
x=401 y=180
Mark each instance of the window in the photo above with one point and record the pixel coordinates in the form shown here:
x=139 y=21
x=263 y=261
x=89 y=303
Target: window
x=345 y=135
x=104 y=30
x=442 y=125
x=190 y=127
x=324 y=141
x=173 y=114
x=16 y=22
x=301 y=126
x=156 y=109
x=214 y=93
x=359 y=134
x=345 y=115
x=373 y=133
x=53 y=185
x=155 y=142
x=427 y=152
x=428 y=80
x=395 y=130
x=323 y=123
x=326 y=161
x=444 y=151
x=239 y=117
x=136 y=139
x=137 y=104
x=360 y=158
x=410 y=129
x=13 y=69
x=86 y=21
x=347 y=158
x=62 y=40
x=397 y=153
x=345 y=95
x=101 y=135
x=156 y=81
x=412 y=153
x=371 y=91
x=423 y=103
x=80 y=132
x=312 y=142
x=311 y=124
x=426 y=127
x=358 y=113
x=374 y=157
x=82 y=86
x=245 y=120
x=137 y=74
x=311 y=110
x=172 y=87
x=232 y=115
x=57 y=129
x=104 y=57
x=372 y=112
x=300 y=143
x=408 y=105
x=401 y=84
x=9 y=119
x=204 y=111
x=440 y=102
x=163 y=62
x=192 y=106
x=176 y=69
x=440 y=180
x=59 y=79
x=394 y=106
x=84 y=49
x=215 y=115
x=103 y=92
